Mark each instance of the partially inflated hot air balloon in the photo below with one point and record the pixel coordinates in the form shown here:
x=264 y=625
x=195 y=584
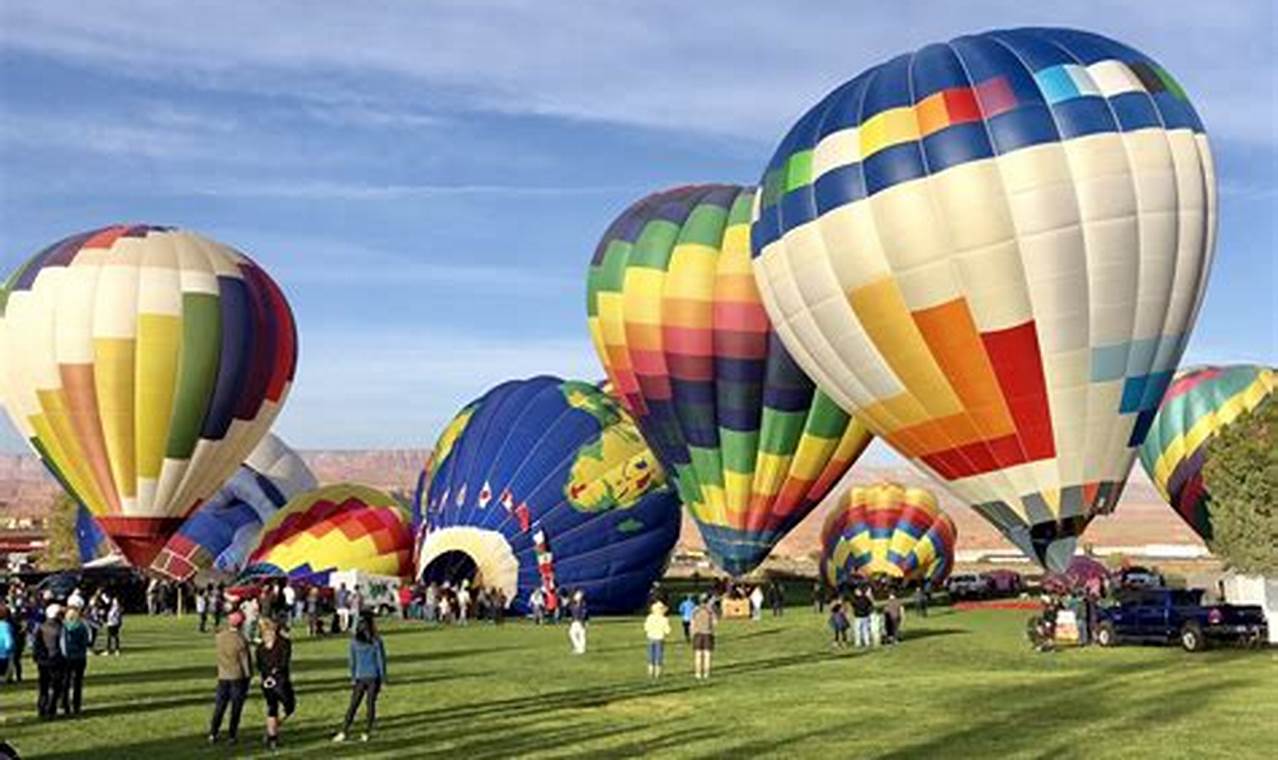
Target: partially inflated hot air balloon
x=91 y=542
x=142 y=364
x=221 y=532
x=1200 y=403
x=547 y=483
x=336 y=528
x=993 y=250
x=676 y=319
x=887 y=531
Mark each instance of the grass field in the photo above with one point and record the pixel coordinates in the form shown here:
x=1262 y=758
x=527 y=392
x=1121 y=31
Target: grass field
x=962 y=684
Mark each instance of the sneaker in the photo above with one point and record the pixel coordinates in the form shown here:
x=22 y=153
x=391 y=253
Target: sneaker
x=212 y=738
x=363 y=737
x=340 y=737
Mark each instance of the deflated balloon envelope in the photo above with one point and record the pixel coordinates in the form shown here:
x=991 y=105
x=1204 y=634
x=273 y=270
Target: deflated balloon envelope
x=143 y=364
x=887 y=531
x=993 y=251
x=1200 y=403
x=546 y=483
x=221 y=532
x=677 y=322
x=339 y=527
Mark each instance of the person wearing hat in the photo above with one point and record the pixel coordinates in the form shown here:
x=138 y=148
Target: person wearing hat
x=47 y=653
x=656 y=627
x=234 y=669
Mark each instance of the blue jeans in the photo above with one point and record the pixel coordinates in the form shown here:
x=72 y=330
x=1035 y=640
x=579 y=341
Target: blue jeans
x=656 y=652
x=863 y=633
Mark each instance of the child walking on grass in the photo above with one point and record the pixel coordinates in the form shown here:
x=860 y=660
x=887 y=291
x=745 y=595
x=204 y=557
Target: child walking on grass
x=657 y=627
x=839 y=624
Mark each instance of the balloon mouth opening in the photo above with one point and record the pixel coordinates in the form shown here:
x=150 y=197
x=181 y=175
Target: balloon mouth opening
x=459 y=553
x=140 y=539
x=452 y=567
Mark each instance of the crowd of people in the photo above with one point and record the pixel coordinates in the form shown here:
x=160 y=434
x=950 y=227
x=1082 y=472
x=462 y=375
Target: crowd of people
x=60 y=633
x=446 y=603
x=1083 y=603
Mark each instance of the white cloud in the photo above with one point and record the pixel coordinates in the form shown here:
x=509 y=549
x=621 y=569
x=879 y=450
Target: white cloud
x=359 y=191
x=713 y=67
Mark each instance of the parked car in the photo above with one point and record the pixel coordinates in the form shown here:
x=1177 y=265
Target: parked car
x=1005 y=583
x=968 y=586
x=1164 y=615
x=1140 y=577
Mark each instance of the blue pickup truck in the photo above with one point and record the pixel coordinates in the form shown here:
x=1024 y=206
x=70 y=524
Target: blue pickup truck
x=1165 y=615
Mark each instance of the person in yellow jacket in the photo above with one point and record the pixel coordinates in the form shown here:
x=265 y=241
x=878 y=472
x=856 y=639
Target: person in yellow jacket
x=656 y=627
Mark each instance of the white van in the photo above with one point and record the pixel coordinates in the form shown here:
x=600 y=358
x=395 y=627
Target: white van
x=380 y=593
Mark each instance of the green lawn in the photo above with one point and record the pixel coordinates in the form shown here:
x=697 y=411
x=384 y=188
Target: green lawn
x=962 y=684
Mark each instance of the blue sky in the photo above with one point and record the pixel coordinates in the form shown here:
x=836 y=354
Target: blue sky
x=427 y=180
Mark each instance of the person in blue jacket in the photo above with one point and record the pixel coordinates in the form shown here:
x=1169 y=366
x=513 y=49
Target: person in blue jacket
x=368 y=673
x=8 y=645
x=686 y=608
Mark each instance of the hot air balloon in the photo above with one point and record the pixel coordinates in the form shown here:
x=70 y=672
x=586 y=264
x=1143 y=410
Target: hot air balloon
x=335 y=528
x=992 y=250
x=887 y=531
x=142 y=364
x=547 y=483
x=677 y=322
x=220 y=533
x=1200 y=403
x=91 y=542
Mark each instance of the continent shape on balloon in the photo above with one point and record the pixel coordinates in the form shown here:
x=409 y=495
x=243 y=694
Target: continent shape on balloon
x=546 y=483
x=993 y=251
x=142 y=364
x=678 y=324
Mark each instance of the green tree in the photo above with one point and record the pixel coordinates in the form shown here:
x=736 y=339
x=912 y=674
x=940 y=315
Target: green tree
x=63 y=552
x=1241 y=474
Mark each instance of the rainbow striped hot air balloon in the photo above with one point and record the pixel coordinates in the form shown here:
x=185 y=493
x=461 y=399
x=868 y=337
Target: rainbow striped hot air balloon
x=887 y=531
x=142 y=364
x=220 y=533
x=993 y=251
x=1199 y=404
x=677 y=322
x=336 y=528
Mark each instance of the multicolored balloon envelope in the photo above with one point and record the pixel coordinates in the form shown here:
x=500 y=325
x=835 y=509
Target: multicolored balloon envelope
x=92 y=543
x=887 y=531
x=676 y=319
x=221 y=532
x=339 y=527
x=1200 y=403
x=546 y=482
x=993 y=250
x=142 y=364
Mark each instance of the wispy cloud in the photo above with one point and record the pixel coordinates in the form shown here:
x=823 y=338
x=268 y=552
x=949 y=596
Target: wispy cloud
x=649 y=64
x=356 y=191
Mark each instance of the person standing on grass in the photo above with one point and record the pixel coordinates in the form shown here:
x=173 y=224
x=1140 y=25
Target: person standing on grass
x=274 y=660
x=114 y=619
x=368 y=674
x=862 y=608
x=75 y=650
x=703 y=625
x=921 y=600
x=893 y=616
x=202 y=606
x=656 y=627
x=463 y=603
x=686 y=608
x=47 y=653
x=818 y=598
x=756 y=603
x=234 y=669
x=7 y=645
x=839 y=624
x=580 y=616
